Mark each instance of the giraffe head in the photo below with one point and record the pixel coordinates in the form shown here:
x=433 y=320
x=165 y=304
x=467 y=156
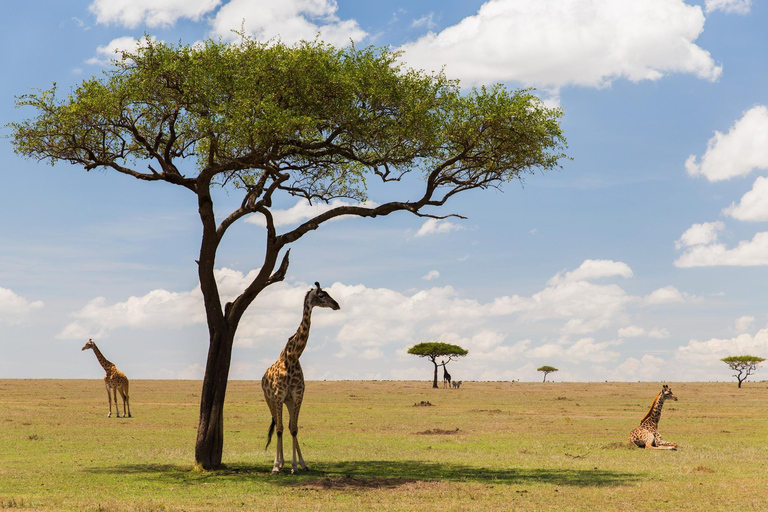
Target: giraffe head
x=317 y=297
x=89 y=344
x=667 y=393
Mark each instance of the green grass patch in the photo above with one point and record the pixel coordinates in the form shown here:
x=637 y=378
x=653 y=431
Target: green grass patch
x=372 y=445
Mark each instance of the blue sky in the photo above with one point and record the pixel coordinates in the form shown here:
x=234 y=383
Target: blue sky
x=644 y=258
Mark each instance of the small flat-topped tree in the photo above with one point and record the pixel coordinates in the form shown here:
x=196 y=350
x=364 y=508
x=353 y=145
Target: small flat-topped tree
x=433 y=350
x=743 y=365
x=547 y=370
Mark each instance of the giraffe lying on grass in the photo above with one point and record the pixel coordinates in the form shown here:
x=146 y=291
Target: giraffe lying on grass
x=283 y=382
x=647 y=434
x=114 y=379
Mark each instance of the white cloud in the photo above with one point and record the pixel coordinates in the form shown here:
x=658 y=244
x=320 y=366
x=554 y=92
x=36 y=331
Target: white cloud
x=153 y=13
x=736 y=153
x=666 y=295
x=708 y=353
x=14 y=307
x=744 y=323
x=646 y=368
x=729 y=6
x=753 y=205
x=661 y=333
x=583 y=350
x=375 y=325
x=554 y=43
x=748 y=253
x=432 y=274
x=632 y=331
x=113 y=50
x=437 y=226
x=700 y=234
x=289 y=20
x=425 y=21
x=302 y=211
x=593 y=269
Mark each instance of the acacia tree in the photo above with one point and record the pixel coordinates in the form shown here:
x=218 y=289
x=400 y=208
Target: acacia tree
x=263 y=121
x=547 y=370
x=433 y=350
x=744 y=365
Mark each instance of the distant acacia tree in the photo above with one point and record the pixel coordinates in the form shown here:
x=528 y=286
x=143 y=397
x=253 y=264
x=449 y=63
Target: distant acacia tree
x=433 y=350
x=744 y=365
x=547 y=370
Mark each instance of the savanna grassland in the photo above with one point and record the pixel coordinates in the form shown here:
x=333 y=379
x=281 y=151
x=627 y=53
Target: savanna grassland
x=487 y=446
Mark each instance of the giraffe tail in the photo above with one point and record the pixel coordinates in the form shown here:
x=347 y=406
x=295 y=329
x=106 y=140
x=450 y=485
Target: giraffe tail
x=269 y=434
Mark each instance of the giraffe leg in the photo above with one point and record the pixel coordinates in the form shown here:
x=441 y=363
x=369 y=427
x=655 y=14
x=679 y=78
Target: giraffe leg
x=109 y=400
x=279 y=459
x=294 y=406
x=117 y=407
x=124 y=396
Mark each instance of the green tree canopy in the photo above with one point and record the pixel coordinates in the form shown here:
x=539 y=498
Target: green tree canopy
x=547 y=370
x=432 y=350
x=270 y=120
x=743 y=365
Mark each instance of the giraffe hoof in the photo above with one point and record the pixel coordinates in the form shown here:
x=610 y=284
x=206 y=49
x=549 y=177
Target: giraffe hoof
x=275 y=471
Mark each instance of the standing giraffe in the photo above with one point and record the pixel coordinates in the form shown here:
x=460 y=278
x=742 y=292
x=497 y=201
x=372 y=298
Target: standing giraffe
x=114 y=379
x=283 y=382
x=647 y=434
x=446 y=376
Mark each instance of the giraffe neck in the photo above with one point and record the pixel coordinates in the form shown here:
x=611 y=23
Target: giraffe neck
x=107 y=365
x=654 y=413
x=298 y=342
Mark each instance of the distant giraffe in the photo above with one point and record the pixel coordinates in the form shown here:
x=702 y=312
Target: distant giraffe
x=114 y=379
x=647 y=434
x=283 y=382
x=446 y=376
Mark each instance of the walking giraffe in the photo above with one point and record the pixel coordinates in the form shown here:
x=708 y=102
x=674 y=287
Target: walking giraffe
x=114 y=379
x=647 y=434
x=283 y=382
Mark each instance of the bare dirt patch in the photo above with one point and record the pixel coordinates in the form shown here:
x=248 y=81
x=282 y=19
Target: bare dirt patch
x=438 y=432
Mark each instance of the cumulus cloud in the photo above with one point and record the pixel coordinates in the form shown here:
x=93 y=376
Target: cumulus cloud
x=152 y=13
x=437 y=226
x=736 y=153
x=700 y=234
x=744 y=323
x=378 y=324
x=554 y=43
x=289 y=20
x=113 y=50
x=432 y=274
x=666 y=295
x=708 y=353
x=303 y=211
x=729 y=6
x=14 y=307
x=631 y=331
x=753 y=205
x=648 y=367
x=593 y=269
x=748 y=253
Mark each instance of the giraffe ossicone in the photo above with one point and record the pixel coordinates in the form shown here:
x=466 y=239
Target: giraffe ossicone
x=114 y=380
x=647 y=434
x=283 y=382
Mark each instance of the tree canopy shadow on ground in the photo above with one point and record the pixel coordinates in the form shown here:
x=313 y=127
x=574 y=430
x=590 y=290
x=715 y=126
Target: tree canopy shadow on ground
x=377 y=474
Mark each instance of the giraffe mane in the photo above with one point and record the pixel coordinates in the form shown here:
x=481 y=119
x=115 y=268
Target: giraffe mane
x=653 y=406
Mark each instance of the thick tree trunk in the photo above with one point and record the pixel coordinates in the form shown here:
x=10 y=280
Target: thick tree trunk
x=434 y=383
x=210 y=430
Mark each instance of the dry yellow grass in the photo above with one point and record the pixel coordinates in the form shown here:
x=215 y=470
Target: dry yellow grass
x=487 y=446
